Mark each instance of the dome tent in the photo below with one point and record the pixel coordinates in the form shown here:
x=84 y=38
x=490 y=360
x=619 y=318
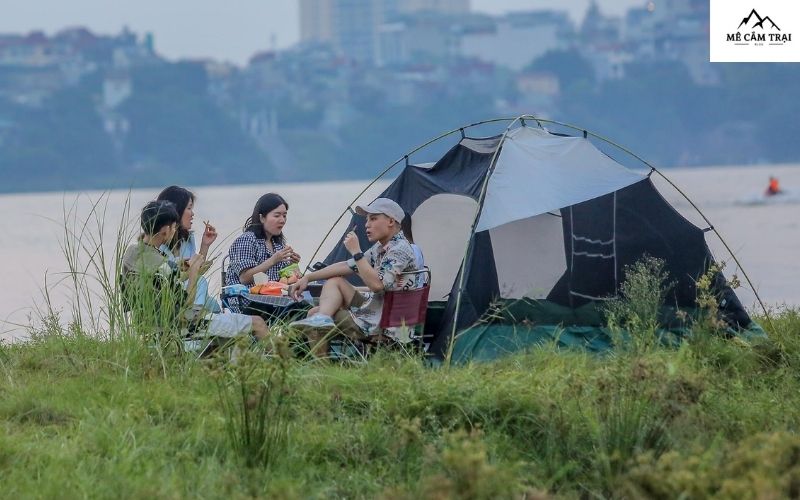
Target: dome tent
x=529 y=232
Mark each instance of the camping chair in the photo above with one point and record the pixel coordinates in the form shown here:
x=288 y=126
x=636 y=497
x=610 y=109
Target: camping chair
x=408 y=308
x=223 y=299
x=401 y=308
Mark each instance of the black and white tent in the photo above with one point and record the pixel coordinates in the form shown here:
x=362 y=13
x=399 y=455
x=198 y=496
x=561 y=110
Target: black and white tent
x=544 y=223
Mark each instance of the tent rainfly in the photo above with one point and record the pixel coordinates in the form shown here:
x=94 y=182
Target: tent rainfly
x=529 y=232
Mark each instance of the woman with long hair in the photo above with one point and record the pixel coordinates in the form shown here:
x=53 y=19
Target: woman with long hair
x=183 y=246
x=262 y=247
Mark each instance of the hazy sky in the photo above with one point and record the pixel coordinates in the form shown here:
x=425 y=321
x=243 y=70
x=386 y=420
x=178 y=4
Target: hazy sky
x=231 y=30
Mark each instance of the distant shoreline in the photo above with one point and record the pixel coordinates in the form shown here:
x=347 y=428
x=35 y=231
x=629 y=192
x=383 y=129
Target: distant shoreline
x=159 y=185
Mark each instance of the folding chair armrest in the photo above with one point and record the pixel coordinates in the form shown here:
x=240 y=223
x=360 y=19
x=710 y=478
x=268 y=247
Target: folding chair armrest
x=224 y=270
x=425 y=270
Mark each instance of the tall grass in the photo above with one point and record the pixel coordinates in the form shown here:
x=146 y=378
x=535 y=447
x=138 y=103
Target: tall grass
x=95 y=306
x=92 y=268
x=254 y=398
x=141 y=331
x=633 y=316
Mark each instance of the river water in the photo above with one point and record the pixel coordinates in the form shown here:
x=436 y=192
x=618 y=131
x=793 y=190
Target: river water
x=34 y=228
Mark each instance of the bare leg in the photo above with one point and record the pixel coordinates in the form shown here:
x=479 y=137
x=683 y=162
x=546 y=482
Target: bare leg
x=337 y=293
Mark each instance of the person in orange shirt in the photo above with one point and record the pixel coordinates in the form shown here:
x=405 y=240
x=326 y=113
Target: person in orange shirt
x=773 y=188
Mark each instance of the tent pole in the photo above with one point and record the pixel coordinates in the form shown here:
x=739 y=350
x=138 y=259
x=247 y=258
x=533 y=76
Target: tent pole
x=686 y=197
x=481 y=198
x=392 y=165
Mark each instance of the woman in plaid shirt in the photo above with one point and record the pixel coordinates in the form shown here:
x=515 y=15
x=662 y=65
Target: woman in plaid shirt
x=262 y=247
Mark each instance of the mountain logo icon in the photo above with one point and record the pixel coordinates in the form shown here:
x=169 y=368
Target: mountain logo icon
x=761 y=20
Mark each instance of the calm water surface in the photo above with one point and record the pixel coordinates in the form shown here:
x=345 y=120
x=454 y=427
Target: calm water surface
x=765 y=238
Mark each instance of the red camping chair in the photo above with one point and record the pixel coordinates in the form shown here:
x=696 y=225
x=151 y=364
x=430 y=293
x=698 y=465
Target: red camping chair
x=401 y=308
x=407 y=308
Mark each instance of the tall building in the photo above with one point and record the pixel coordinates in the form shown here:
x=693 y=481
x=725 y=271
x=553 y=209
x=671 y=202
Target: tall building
x=355 y=26
x=316 y=20
x=352 y=25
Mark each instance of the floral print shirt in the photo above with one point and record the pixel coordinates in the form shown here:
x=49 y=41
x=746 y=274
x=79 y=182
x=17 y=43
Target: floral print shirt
x=390 y=261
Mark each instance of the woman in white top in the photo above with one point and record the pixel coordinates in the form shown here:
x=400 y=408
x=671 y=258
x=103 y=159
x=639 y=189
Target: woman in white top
x=183 y=245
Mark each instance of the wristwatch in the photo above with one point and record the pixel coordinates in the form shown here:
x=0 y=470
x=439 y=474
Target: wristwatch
x=358 y=256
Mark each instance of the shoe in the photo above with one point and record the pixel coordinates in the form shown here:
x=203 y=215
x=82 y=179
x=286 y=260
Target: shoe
x=315 y=321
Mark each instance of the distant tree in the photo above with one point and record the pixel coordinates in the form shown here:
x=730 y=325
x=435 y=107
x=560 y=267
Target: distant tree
x=568 y=65
x=382 y=135
x=178 y=132
x=660 y=112
x=647 y=111
x=768 y=95
x=61 y=145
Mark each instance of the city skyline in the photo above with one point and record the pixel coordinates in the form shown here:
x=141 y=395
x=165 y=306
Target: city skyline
x=200 y=29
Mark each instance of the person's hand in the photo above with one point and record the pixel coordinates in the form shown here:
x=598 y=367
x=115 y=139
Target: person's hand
x=280 y=256
x=351 y=243
x=194 y=264
x=285 y=254
x=298 y=288
x=206 y=266
x=209 y=235
x=295 y=257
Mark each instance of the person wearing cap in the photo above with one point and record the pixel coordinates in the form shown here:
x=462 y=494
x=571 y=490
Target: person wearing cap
x=355 y=312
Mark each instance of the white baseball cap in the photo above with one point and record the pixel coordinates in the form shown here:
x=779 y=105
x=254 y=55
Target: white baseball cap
x=383 y=206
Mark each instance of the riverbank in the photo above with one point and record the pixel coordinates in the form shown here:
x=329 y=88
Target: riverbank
x=83 y=417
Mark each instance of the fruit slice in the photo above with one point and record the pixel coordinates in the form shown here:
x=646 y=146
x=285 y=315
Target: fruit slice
x=272 y=288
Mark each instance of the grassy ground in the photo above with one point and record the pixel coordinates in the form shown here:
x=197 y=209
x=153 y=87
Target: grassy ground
x=87 y=418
